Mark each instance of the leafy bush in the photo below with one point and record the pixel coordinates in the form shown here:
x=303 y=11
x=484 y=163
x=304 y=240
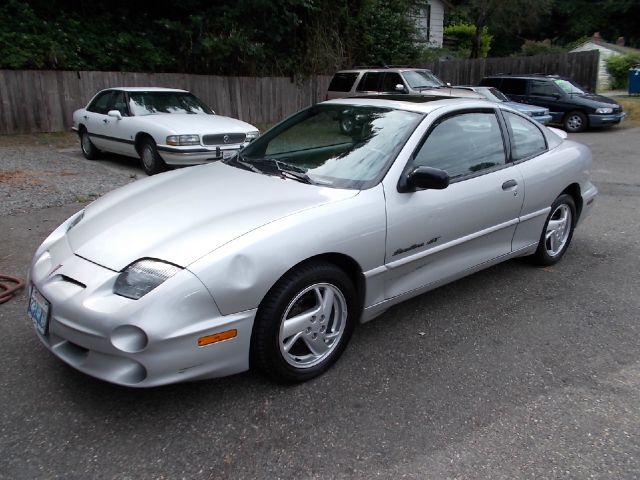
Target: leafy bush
x=531 y=47
x=464 y=33
x=618 y=67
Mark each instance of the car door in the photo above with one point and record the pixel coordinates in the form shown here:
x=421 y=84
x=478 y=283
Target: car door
x=545 y=93
x=435 y=235
x=115 y=132
x=94 y=117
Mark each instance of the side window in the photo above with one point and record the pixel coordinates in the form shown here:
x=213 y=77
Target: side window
x=543 y=88
x=491 y=82
x=391 y=79
x=342 y=82
x=101 y=103
x=514 y=86
x=465 y=144
x=118 y=102
x=527 y=139
x=370 y=82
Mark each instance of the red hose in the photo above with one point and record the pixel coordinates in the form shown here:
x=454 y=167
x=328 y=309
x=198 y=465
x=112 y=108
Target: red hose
x=8 y=291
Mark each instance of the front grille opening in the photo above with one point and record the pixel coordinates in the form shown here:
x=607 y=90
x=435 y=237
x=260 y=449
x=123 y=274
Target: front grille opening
x=224 y=138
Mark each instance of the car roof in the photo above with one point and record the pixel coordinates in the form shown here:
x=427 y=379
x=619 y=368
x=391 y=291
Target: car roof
x=415 y=103
x=146 y=89
x=536 y=76
x=383 y=69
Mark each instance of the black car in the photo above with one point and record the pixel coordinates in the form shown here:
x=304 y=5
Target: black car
x=568 y=104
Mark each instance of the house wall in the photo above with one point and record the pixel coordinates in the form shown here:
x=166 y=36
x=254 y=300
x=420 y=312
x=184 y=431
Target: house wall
x=428 y=16
x=437 y=22
x=603 y=76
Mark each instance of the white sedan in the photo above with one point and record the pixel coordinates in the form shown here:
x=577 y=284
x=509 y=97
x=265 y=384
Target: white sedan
x=161 y=126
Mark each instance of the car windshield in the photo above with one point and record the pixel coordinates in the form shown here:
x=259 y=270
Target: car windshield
x=341 y=146
x=421 y=79
x=492 y=94
x=569 y=87
x=150 y=103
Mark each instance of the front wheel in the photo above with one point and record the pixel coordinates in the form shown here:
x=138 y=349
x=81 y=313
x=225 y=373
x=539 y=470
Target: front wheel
x=557 y=232
x=575 y=122
x=89 y=150
x=151 y=161
x=304 y=323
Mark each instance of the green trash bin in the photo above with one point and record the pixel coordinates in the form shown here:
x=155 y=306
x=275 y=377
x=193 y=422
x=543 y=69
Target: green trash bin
x=634 y=80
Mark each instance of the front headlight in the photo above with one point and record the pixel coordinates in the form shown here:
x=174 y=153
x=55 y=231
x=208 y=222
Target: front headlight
x=604 y=110
x=181 y=140
x=142 y=276
x=529 y=112
x=252 y=136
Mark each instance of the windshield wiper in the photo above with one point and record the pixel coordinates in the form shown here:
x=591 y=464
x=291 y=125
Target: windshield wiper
x=291 y=171
x=239 y=160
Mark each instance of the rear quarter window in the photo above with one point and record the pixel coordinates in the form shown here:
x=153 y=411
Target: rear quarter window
x=342 y=82
x=514 y=86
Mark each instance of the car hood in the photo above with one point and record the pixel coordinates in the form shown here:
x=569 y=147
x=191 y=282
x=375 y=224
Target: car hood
x=181 y=216
x=595 y=100
x=523 y=107
x=201 y=124
x=450 y=92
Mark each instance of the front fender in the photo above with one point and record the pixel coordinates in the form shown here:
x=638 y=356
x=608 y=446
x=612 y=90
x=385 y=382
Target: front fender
x=239 y=274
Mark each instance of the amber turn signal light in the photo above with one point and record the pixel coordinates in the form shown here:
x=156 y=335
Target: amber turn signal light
x=217 y=337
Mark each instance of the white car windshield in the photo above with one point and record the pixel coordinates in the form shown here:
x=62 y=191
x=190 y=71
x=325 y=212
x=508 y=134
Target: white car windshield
x=421 y=79
x=342 y=146
x=150 y=103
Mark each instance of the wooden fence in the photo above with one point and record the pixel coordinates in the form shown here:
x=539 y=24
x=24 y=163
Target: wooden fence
x=33 y=101
x=581 y=67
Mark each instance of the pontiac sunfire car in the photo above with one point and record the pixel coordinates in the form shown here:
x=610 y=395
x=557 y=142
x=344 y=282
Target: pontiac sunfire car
x=268 y=259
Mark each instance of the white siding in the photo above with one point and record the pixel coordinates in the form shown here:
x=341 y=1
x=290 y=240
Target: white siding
x=437 y=22
x=429 y=17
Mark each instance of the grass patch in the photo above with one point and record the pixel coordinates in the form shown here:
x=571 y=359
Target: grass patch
x=631 y=106
x=55 y=140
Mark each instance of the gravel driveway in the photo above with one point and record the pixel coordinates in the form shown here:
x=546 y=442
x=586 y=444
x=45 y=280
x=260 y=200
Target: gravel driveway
x=35 y=177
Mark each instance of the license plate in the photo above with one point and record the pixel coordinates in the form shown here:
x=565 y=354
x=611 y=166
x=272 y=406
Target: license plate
x=39 y=310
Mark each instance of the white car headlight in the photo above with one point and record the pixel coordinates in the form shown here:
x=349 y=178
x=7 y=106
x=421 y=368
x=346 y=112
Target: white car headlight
x=74 y=220
x=604 y=110
x=181 y=140
x=252 y=135
x=141 y=277
x=529 y=112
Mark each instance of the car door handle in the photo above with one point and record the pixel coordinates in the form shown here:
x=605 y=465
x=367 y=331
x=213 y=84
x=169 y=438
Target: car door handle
x=509 y=185
x=105 y=120
x=86 y=116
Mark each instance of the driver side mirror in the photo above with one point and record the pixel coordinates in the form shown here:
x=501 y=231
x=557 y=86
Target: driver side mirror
x=115 y=114
x=400 y=88
x=424 y=178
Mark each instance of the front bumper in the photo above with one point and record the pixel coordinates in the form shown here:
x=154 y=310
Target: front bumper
x=198 y=154
x=601 y=120
x=543 y=119
x=138 y=343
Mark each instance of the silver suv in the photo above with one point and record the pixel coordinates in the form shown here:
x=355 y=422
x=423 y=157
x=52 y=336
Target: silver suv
x=361 y=81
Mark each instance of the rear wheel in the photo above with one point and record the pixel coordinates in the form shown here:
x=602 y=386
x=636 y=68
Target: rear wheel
x=151 y=161
x=304 y=323
x=89 y=150
x=575 y=122
x=557 y=232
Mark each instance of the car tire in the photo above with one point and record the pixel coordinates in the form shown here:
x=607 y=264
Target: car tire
x=89 y=150
x=575 y=122
x=557 y=231
x=150 y=159
x=323 y=300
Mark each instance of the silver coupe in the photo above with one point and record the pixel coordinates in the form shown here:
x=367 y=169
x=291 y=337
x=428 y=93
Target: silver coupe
x=268 y=259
